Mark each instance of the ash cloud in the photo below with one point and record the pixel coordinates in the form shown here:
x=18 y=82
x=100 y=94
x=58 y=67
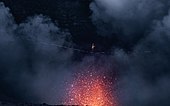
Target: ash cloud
x=127 y=21
x=145 y=76
x=32 y=67
x=35 y=69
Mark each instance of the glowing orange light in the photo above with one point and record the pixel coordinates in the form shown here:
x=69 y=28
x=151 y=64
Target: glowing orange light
x=91 y=90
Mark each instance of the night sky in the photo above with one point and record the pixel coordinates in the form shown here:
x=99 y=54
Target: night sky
x=45 y=44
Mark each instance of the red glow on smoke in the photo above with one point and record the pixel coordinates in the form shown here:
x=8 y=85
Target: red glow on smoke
x=91 y=89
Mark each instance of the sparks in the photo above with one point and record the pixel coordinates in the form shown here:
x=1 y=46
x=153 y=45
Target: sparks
x=91 y=89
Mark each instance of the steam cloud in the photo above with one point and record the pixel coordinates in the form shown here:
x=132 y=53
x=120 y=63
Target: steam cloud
x=144 y=72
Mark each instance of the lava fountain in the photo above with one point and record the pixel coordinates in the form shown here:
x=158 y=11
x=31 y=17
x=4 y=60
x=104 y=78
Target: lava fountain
x=91 y=88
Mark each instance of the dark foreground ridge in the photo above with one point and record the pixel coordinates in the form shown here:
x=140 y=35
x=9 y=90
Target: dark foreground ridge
x=29 y=104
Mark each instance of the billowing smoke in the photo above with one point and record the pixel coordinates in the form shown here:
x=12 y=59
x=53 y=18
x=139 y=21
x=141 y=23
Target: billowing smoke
x=32 y=67
x=144 y=72
x=128 y=21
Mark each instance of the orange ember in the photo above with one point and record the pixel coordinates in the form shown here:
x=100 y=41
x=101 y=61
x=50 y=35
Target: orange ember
x=91 y=90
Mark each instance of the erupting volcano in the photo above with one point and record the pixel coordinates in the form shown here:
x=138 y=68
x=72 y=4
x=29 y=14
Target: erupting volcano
x=91 y=87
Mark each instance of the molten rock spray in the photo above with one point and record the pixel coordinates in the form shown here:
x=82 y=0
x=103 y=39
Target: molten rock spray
x=92 y=87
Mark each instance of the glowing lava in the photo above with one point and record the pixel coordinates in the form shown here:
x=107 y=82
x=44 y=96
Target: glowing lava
x=91 y=89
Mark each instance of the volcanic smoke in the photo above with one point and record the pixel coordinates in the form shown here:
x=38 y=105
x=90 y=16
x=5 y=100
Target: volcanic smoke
x=91 y=87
